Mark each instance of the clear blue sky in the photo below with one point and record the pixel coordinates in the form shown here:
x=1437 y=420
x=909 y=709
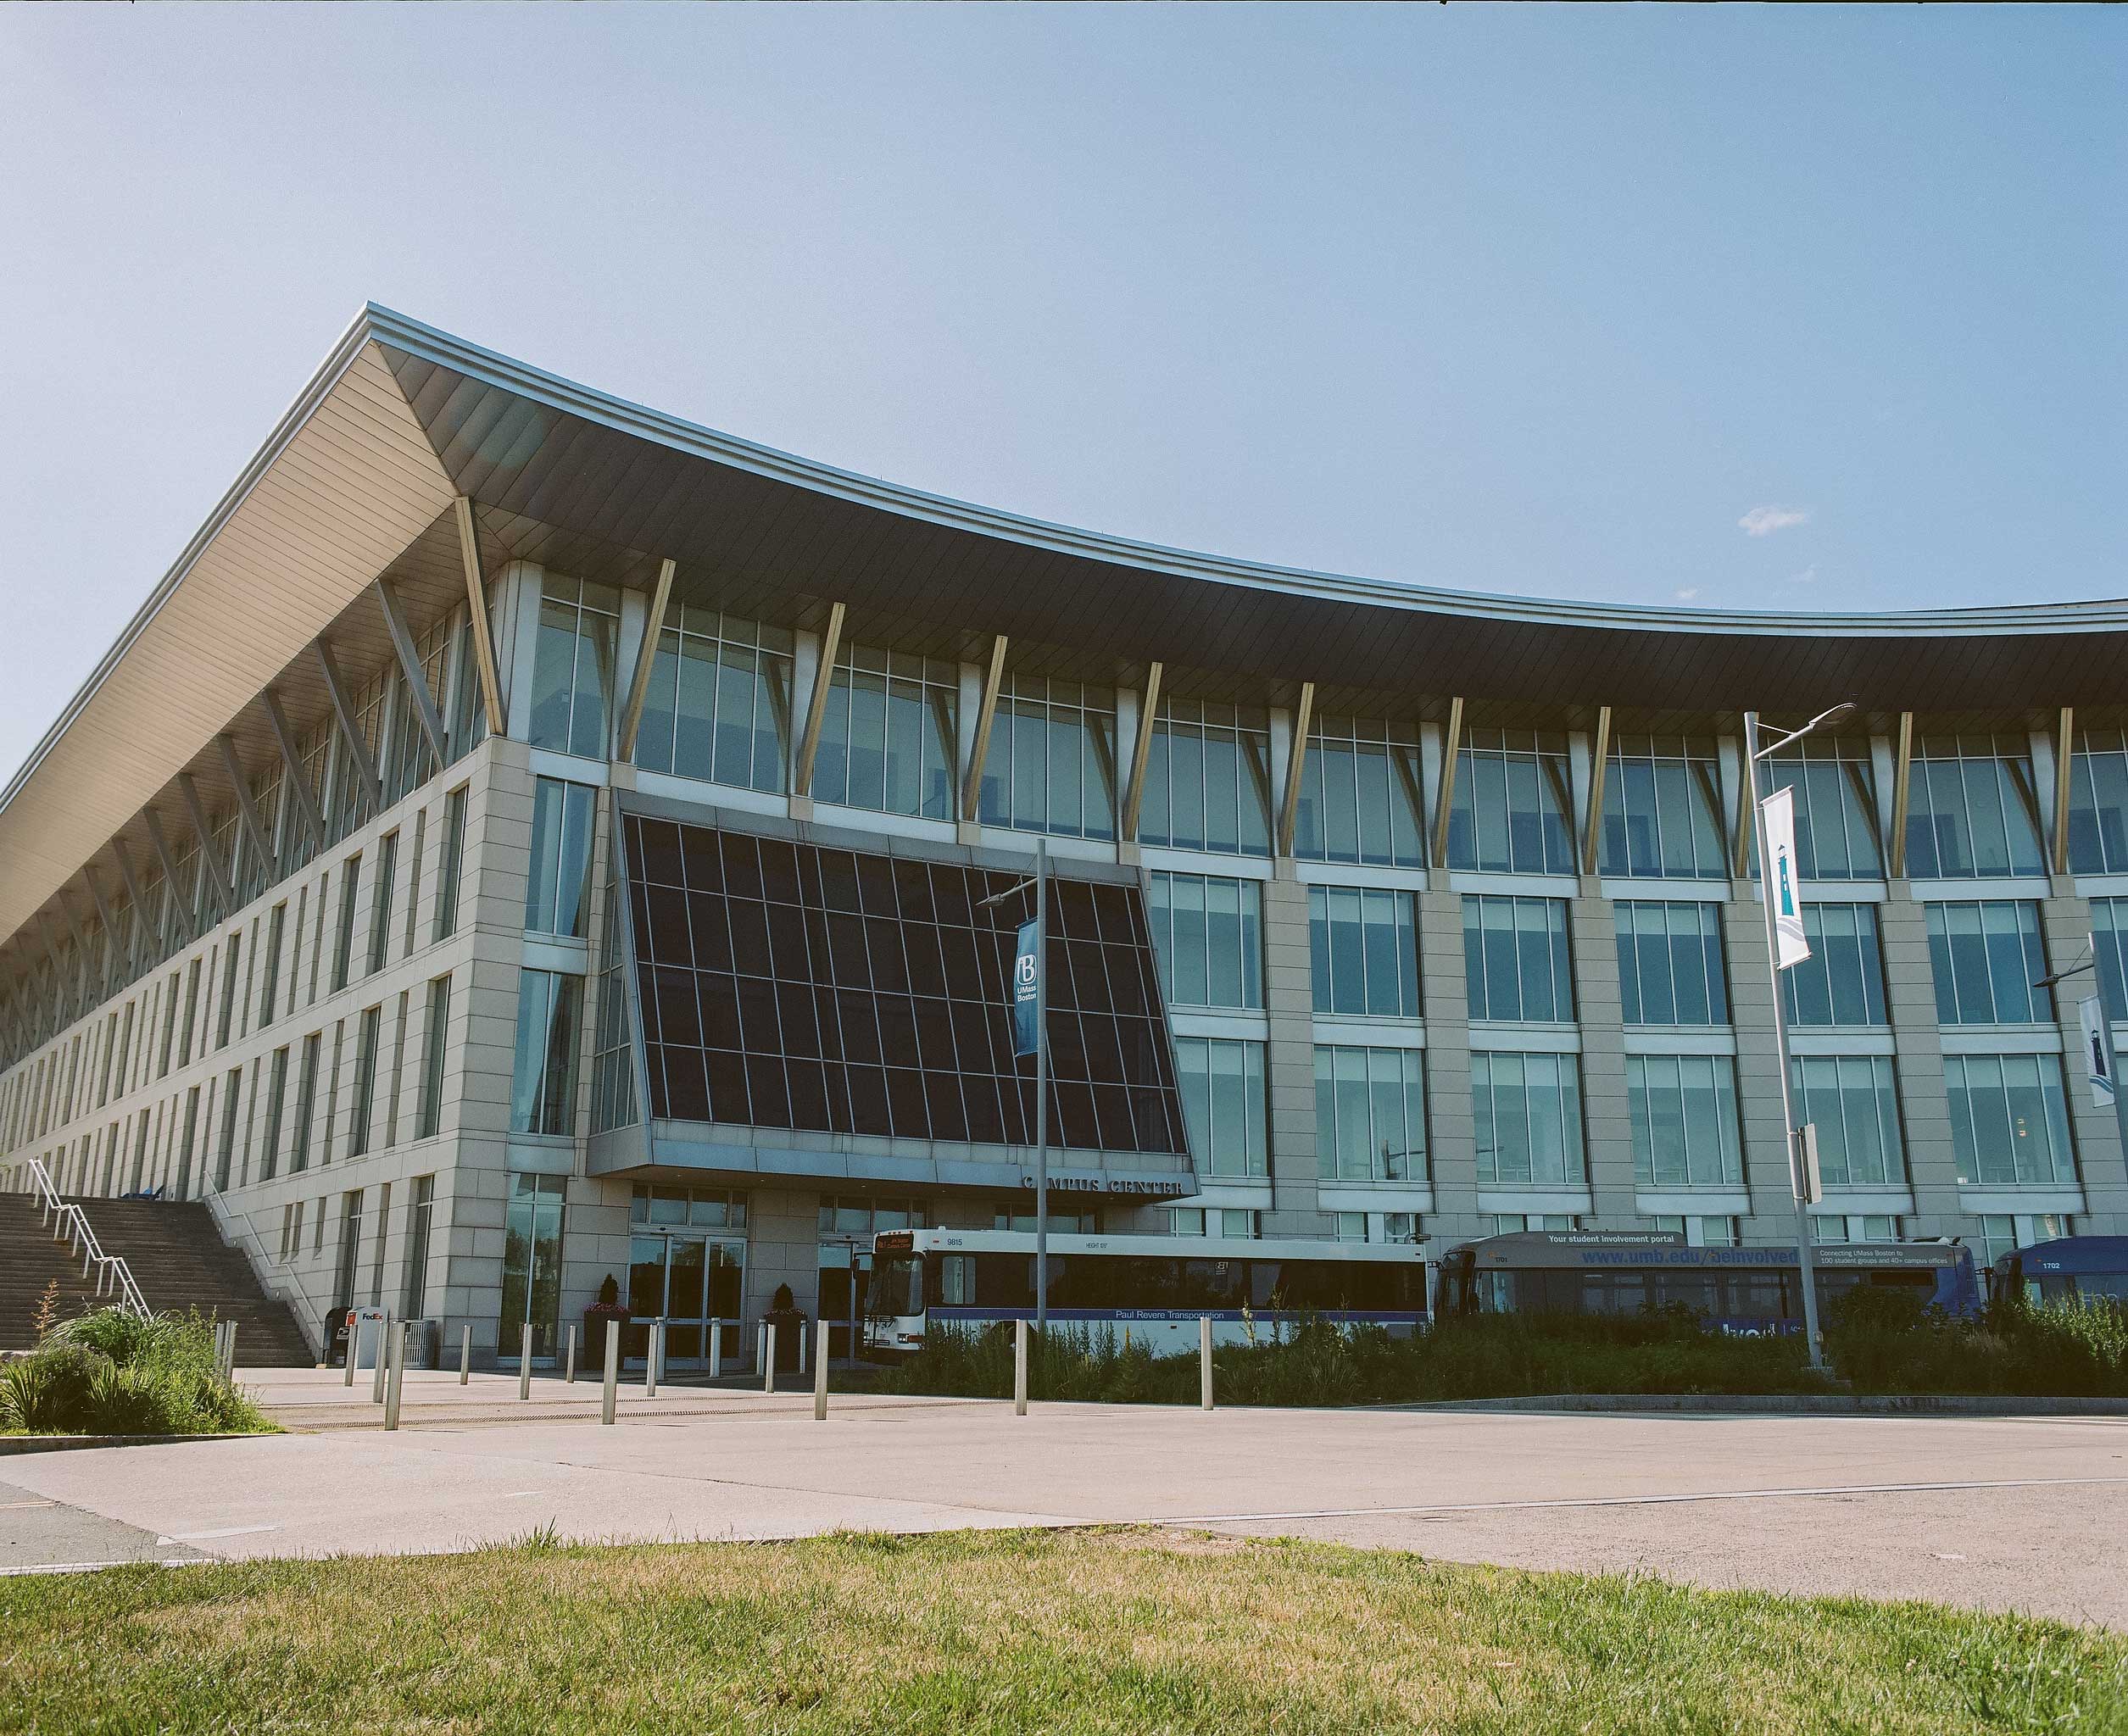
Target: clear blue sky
x=1543 y=300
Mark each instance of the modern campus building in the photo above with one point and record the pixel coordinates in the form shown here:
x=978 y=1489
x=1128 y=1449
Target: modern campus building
x=628 y=921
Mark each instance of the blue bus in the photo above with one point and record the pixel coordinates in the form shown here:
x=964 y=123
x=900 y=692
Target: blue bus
x=1150 y=1289
x=1746 y=1291
x=2072 y=1269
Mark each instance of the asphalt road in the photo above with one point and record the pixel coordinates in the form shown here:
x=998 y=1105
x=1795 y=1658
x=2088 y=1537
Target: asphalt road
x=2006 y=1513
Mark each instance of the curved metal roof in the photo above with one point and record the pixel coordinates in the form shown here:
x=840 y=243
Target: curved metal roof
x=402 y=416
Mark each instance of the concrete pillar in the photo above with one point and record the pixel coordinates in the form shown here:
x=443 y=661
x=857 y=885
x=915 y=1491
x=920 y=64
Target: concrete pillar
x=1606 y=1119
x=1288 y=1000
x=2065 y=923
x=1445 y=998
x=1924 y=1109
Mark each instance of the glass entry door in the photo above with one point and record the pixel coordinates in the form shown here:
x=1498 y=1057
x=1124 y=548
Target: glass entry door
x=687 y=1280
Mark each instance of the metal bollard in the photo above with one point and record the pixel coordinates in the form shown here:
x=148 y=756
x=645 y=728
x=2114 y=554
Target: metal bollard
x=465 y=1356
x=717 y=1348
x=768 y=1361
x=398 y=1371
x=569 y=1376
x=613 y=1372
x=229 y=1356
x=354 y=1350
x=380 y=1352
x=524 y=1362
x=801 y=1350
x=761 y=1342
x=650 y=1360
x=820 y=1377
x=1019 y=1368
x=1204 y=1361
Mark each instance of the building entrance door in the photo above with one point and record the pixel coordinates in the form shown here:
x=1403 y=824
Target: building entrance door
x=687 y=1280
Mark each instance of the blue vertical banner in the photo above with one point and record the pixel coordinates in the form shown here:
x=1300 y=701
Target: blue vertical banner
x=1027 y=979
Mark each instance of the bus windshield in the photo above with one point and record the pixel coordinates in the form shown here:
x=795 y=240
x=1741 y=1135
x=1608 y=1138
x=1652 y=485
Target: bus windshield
x=897 y=1286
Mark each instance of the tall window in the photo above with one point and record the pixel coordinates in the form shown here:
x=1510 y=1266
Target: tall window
x=343 y=944
x=889 y=734
x=532 y=1266
x=558 y=892
x=276 y=1092
x=360 y=1110
x=1051 y=763
x=718 y=705
x=1360 y=795
x=1370 y=1114
x=1222 y=1105
x=2009 y=1120
x=276 y=923
x=436 y=1034
x=1662 y=810
x=1363 y=952
x=572 y=669
x=2098 y=804
x=1515 y=960
x=2109 y=941
x=452 y=859
x=420 y=1210
x=1684 y=1112
x=232 y=949
x=1971 y=812
x=1208 y=780
x=1834 y=782
x=1854 y=1103
x=1511 y=803
x=1528 y=1109
x=1208 y=932
x=1986 y=958
x=1841 y=982
x=225 y=1151
x=543 y=1093
x=388 y=864
x=306 y=1102
x=1670 y=969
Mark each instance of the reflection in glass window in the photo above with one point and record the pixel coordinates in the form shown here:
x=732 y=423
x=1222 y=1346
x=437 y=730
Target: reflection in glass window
x=1985 y=957
x=1529 y=1118
x=1370 y=1114
x=1208 y=780
x=1363 y=952
x=1971 y=813
x=1853 y=1102
x=2009 y=1121
x=1683 y=1113
x=1511 y=803
x=890 y=736
x=1841 y=982
x=1670 y=963
x=718 y=706
x=1662 y=810
x=1700 y=1232
x=1835 y=783
x=1208 y=932
x=557 y=887
x=2098 y=804
x=1222 y=1104
x=543 y=1092
x=1515 y=960
x=1360 y=795
x=2109 y=943
x=787 y=984
x=572 y=668
x=532 y=1266
x=1051 y=763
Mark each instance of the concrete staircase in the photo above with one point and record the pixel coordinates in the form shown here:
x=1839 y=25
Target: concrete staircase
x=177 y=1257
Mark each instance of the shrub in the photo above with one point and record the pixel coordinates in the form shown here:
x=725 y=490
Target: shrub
x=110 y=1372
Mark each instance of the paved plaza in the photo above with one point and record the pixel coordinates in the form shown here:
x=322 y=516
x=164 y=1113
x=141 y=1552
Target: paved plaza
x=2005 y=1513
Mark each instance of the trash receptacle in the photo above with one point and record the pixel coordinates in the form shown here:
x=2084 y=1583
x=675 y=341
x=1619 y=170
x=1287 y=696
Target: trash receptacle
x=790 y=1339
x=424 y=1343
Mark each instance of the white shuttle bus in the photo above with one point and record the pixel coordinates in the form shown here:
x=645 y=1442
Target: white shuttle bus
x=1155 y=1289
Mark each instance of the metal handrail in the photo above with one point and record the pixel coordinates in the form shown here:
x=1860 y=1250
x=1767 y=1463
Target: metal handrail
x=73 y=1223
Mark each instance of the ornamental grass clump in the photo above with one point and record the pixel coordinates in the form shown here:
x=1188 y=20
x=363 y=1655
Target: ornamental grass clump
x=112 y=1372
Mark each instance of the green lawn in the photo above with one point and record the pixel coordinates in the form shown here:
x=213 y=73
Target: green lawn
x=1007 y=1632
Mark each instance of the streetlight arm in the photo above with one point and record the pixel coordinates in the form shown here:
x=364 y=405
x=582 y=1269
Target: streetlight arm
x=1834 y=715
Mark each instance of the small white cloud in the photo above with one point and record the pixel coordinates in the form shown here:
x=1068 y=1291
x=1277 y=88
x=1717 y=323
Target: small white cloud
x=1688 y=594
x=1764 y=521
x=1808 y=576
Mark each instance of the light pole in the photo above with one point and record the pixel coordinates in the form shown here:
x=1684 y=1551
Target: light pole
x=1041 y=884
x=2105 y=1037
x=1807 y=1272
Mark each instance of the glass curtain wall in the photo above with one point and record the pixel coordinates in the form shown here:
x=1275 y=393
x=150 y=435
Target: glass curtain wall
x=1528 y=1119
x=890 y=736
x=1670 y=970
x=2098 y=804
x=1223 y=1105
x=2010 y=1120
x=1835 y=781
x=1512 y=804
x=558 y=890
x=572 y=667
x=1841 y=982
x=1370 y=1113
x=542 y=1095
x=1516 y=962
x=1208 y=780
x=1971 y=810
x=1684 y=1116
x=1360 y=800
x=1051 y=763
x=1363 y=952
x=1662 y=810
x=1208 y=932
x=1985 y=957
x=531 y=1267
x=718 y=705
x=1853 y=1099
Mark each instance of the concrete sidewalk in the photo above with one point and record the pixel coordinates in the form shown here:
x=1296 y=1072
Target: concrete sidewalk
x=2001 y=1513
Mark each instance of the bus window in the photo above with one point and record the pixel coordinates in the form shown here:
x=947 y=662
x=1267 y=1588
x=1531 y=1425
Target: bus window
x=956 y=1280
